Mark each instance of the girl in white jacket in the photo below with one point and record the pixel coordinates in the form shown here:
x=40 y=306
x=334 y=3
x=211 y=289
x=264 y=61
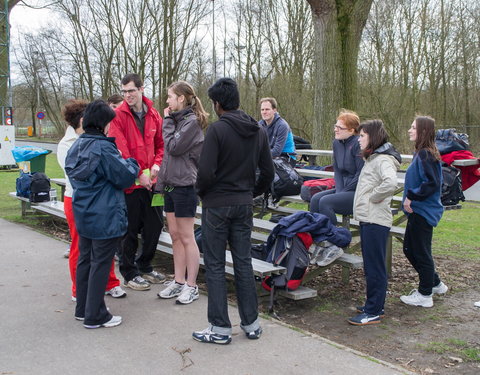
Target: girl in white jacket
x=371 y=207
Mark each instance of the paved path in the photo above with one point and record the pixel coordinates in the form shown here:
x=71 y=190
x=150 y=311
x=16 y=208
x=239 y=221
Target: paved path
x=38 y=334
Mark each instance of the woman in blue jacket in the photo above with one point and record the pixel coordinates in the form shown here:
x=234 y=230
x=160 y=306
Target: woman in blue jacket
x=347 y=164
x=421 y=202
x=98 y=175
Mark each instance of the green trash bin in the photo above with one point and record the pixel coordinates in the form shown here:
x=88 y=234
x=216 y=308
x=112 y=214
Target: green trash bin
x=35 y=164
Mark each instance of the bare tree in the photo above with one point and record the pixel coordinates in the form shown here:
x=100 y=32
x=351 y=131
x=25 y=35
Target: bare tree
x=338 y=26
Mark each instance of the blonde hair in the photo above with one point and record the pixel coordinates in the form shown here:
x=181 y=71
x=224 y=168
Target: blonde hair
x=185 y=89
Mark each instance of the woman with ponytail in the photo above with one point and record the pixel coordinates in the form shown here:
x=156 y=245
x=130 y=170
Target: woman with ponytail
x=183 y=127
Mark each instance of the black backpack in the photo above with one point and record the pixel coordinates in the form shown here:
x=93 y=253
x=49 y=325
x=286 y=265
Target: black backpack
x=39 y=188
x=292 y=254
x=23 y=185
x=287 y=181
x=452 y=185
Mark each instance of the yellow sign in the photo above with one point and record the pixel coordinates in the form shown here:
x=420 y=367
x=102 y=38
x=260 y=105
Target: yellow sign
x=6 y=139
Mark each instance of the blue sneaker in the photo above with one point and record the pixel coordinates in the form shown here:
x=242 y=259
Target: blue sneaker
x=254 y=335
x=207 y=335
x=361 y=309
x=364 y=319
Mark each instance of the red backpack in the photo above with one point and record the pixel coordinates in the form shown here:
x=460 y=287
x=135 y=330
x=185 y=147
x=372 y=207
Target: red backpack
x=312 y=187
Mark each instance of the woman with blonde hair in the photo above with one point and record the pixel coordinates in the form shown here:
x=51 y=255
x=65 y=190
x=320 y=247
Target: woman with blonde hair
x=183 y=127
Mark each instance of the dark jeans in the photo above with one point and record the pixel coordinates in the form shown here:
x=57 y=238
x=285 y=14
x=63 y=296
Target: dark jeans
x=374 y=249
x=329 y=203
x=93 y=268
x=232 y=224
x=417 y=247
x=144 y=219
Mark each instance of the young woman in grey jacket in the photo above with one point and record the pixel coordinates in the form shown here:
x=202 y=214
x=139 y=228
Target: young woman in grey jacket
x=371 y=207
x=183 y=127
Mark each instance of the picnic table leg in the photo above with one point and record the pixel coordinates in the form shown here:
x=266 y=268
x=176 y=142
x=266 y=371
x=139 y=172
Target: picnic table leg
x=271 y=302
x=23 y=204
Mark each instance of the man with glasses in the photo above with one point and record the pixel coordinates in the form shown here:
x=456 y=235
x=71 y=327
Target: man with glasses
x=137 y=129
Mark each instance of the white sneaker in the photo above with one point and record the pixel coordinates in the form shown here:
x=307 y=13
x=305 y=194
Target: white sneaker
x=115 y=321
x=477 y=304
x=173 y=289
x=415 y=298
x=66 y=254
x=116 y=292
x=440 y=288
x=188 y=295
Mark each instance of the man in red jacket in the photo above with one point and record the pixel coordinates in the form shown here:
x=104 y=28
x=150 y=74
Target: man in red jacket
x=137 y=129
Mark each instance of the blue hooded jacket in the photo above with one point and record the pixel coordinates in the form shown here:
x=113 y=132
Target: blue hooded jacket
x=98 y=175
x=319 y=226
x=423 y=186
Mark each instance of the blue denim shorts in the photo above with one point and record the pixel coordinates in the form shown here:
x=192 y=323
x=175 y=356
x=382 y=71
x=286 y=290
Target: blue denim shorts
x=181 y=200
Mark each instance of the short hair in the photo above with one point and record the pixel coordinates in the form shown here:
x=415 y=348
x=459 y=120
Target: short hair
x=225 y=92
x=272 y=101
x=377 y=135
x=132 y=77
x=115 y=99
x=98 y=115
x=350 y=119
x=73 y=112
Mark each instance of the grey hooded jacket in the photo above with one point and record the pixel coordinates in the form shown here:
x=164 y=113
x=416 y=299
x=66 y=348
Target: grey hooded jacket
x=183 y=140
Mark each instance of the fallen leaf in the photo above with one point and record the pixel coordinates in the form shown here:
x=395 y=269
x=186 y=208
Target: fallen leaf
x=456 y=359
x=428 y=370
x=60 y=311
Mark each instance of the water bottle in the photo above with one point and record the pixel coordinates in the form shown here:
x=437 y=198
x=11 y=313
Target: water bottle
x=53 y=197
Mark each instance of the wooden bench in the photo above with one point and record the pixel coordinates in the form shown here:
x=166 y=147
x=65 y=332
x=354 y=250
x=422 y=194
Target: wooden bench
x=260 y=268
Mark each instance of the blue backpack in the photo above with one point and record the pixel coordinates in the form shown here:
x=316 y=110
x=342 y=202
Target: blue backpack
x=23 y=185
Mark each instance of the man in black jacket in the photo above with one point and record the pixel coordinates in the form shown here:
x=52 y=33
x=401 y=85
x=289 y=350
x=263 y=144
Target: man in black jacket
x=234 y=147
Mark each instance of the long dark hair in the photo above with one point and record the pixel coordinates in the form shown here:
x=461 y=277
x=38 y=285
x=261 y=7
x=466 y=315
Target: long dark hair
x=377 y=135
x=425 y=126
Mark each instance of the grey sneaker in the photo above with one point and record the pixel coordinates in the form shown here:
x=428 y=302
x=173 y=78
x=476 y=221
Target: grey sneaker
x=137 y=283
x=116 y=292
x=440 y=288
x=115 y=321
x=415 y=298
x=173 y=289
x=188 y=295
x=154 y=277
x=208 y=336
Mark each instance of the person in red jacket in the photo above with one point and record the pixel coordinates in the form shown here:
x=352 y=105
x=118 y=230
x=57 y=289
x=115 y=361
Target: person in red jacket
x=137 y=129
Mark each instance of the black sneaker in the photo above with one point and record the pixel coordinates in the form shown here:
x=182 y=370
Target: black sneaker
x=254 y=335
x=208 y=336
x=361 y=309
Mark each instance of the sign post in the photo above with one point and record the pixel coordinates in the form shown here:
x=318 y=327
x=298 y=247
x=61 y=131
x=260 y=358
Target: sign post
x=40 y=116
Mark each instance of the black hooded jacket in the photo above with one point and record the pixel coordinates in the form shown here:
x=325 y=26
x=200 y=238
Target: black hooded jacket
x=234 y=147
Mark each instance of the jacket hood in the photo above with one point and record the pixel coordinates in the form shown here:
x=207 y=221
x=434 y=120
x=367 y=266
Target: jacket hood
x=388 y=149
x=243 y=124
x=82 y=163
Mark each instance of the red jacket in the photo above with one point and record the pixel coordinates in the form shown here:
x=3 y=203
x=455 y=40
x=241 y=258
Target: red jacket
x=147 y=149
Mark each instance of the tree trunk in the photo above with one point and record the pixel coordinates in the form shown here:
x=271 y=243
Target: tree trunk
x=338 y=26
x=4 y=52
